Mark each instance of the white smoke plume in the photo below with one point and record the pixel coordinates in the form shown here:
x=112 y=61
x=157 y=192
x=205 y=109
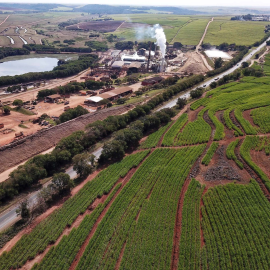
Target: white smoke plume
x=161 y=39
x=155 y=32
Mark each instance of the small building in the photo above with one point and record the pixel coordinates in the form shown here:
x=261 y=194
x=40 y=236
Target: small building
x=108 y=95
x=118 y=64
x=121 y=91
x=93 y=101
x=53 y=98
x=135 y=67
x=152 y=81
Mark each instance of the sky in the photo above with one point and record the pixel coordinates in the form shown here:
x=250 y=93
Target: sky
x=240 y=3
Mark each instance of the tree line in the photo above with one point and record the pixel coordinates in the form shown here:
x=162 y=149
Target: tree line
x=68 y=68
x=42 y=166
x=7 y=51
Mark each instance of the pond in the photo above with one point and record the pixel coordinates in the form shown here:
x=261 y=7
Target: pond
x=17 y=65
x=217 y=53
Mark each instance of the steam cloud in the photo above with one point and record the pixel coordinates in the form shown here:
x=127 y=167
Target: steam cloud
x=161 y=39
x=156 y=32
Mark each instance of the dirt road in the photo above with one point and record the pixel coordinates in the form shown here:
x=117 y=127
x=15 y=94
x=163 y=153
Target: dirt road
x=199 y=46
x=4 y=20
x=31 y=94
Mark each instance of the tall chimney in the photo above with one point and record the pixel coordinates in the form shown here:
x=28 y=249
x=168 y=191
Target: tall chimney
x=149 y=56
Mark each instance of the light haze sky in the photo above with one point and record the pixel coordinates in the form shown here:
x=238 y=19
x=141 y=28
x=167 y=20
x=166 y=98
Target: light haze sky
x=240 y=3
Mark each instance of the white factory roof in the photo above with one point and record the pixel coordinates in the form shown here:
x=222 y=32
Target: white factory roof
x=95 y=99
x=134 y=57
x=118 y=64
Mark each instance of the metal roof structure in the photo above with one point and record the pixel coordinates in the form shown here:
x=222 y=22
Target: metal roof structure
x=95 y=99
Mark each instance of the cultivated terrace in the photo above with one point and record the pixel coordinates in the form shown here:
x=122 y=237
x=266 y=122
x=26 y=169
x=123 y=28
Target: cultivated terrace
x=194 y=195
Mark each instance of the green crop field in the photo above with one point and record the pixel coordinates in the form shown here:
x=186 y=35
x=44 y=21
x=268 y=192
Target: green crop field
x=171 y=24
x=197 y=198
x=238 y=32
x=192 y=32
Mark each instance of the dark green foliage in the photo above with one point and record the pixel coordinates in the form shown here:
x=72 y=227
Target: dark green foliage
x=7 y=51
x=70 y=68
x=197 y=93
x=72 y=113
x=124 y=45
x=97 y=45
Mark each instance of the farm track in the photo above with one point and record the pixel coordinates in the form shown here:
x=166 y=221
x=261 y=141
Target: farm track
x=199 y=46
x=4 y=20
x=86 y=242
x=185 y=24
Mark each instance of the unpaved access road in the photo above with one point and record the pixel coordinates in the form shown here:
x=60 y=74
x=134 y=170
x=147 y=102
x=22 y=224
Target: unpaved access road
x=172 y=103
x=31 y=94
x=199 y=46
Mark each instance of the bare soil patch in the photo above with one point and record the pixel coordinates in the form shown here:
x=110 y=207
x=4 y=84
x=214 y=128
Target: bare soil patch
x=100 y=26
x=229 y=134
x=246 y=115
x=221 y=171
x=262 y=160
x=194 y=64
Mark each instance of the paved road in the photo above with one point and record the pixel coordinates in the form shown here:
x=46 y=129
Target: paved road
x=172 y=103
x=9 y=217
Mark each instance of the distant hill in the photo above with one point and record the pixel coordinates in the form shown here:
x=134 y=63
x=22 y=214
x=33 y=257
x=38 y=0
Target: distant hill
x=94 y=9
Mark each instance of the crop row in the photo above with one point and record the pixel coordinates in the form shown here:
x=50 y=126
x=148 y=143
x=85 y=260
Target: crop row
x=198 y=103
x=143 y=215
x=230 y=125
x=190 y=241
x=210 y=153
x=261 y=117
x=48 y=231
x=250 y=143
x=194 y=132
x=154 y=138
x=248 y=128
x=230 y=153
x=235 y=225
x=61 y=256
x=170 y=135
x=219 y=132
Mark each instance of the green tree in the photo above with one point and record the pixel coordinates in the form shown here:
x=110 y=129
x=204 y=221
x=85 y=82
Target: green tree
x=197 y=93
x=6 y=110
x=61 y=182
x=114 y=150
x=218 y=63
x=17 y=102
x=181 y=102
x=245 y=64
x=83 y=164
x=213 y=85
x=23 y=210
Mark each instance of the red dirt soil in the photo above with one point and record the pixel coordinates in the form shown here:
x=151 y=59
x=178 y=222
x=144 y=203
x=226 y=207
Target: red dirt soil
x=246 y=115
x=86 y=242
x=9 y=245
x=178 y=226
x=118 y=263
x=262 y=160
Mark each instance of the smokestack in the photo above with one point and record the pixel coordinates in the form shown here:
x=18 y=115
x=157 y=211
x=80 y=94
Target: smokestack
x=149 y=56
